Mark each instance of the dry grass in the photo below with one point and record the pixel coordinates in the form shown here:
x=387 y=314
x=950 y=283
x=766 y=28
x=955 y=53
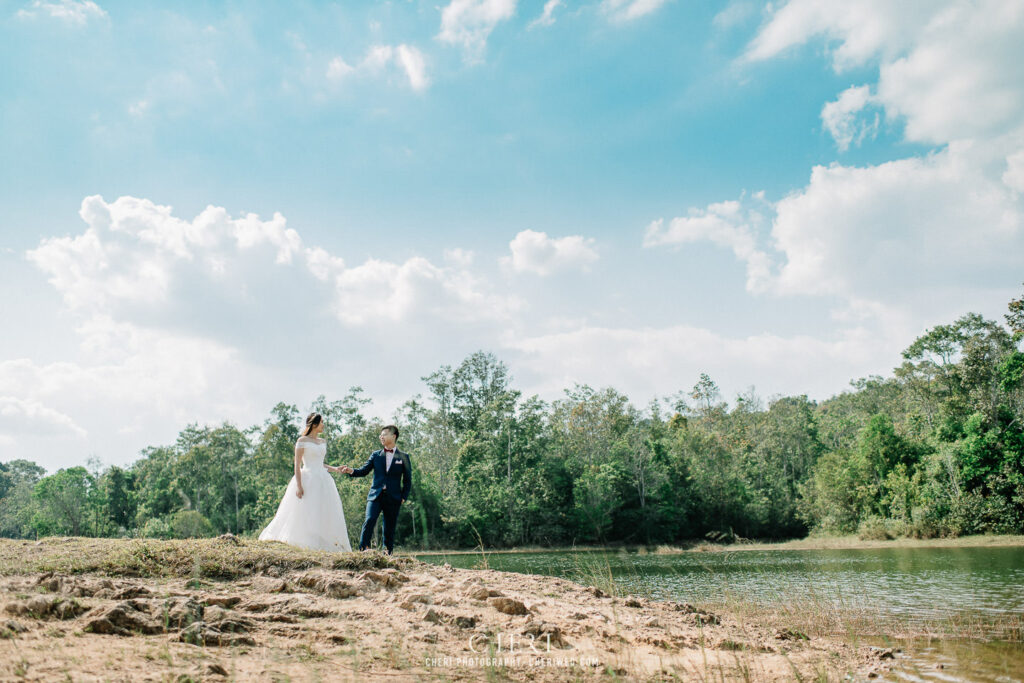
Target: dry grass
x=809 y=543
x=855 y=543
x=310 y=625
x=211 y=558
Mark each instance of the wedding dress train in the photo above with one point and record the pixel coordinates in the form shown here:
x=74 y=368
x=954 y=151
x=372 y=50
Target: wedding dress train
x=317 y=520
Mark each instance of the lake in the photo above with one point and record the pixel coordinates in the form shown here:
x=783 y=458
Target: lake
x=897 y=585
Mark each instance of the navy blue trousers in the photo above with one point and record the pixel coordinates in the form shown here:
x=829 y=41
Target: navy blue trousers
x=389 y=506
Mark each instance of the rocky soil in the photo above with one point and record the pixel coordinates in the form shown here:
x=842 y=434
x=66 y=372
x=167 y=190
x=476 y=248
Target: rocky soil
x=410 y=621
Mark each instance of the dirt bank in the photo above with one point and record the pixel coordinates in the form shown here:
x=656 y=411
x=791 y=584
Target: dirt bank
x=310 y=616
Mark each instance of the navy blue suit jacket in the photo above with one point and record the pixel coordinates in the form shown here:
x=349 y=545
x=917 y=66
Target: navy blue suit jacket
x=398 y=479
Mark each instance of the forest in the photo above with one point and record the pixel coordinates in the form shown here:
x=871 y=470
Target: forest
x=936 y=449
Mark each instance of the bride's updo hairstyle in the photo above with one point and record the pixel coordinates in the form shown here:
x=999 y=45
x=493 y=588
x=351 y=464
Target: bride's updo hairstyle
x=311 y=422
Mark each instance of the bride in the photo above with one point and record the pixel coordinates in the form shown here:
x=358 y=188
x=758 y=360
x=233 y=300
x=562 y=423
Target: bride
x=310 y=514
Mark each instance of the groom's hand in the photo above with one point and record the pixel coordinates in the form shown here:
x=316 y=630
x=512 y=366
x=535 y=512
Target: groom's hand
x=345 y=469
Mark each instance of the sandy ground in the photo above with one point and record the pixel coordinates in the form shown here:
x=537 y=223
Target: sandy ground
x=419 y=622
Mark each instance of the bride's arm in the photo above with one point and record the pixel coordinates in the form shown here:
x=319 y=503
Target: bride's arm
x=298 y=469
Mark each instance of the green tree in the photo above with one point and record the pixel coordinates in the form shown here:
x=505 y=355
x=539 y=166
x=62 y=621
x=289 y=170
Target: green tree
x=16 y=505
x=62 y=503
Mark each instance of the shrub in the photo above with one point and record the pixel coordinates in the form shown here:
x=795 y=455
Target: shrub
x=873 y=529
x=157 y=527
x=190 y=524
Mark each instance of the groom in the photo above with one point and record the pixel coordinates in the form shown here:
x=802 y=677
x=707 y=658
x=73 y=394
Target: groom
x=392 y=481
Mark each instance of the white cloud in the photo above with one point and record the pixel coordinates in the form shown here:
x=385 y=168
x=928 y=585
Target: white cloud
x=734 y=14
x=338 y=69
x=879 y=231
x=1014 y=175
x=218 y=318
x=658 y=361
x=841 y=117
x=415 y=290
x=864 y=30
x=377 y=57
x=29 y=417
x=884 y=240
x=322 y=264
x=726 y=224
x=963 y=77
x=546 y=17
x=876 y=237
x=949 y=70
x=133 y=248
x=125 y=364
x=76 y=12
x=459 y=257
x=414 y=65
x=136 y=255
x=129 y=388
x=535 y=252
x=627 y=10
x=139 y=108
x=469 y=23
x=406 y=58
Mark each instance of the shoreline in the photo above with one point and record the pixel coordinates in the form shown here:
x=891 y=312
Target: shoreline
x=230 y=608
x=809 y=543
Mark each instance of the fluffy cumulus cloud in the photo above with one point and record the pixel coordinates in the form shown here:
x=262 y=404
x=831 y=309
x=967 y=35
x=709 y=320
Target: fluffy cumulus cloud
x=844 y=119
x=137 y=258
x=910 y=241
x=469 y=23
x=535 y=252
x=726 y=224
x=135 y=251
x=901 y=226
x=209 y=319
x=74 y=12
x=407 y=59
x=948 y=70
x=391 y=292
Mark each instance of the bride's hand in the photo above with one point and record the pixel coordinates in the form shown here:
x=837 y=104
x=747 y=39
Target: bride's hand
x=299 y=492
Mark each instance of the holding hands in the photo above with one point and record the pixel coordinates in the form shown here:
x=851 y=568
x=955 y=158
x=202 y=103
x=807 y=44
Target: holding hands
x=344 y=469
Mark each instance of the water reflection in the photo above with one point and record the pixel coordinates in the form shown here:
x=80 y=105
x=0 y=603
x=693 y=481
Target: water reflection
x=907 y=585
x=949 y=661
x=905 y=582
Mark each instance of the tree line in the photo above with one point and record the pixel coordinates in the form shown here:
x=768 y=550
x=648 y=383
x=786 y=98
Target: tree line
x=935 y=449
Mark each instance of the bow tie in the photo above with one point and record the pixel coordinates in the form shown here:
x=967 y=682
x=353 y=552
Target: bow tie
x=389 y=450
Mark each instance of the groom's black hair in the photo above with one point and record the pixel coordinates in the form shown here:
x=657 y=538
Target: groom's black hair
x=393 y=429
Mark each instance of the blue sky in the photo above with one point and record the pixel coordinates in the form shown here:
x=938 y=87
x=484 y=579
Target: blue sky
x=426 y=180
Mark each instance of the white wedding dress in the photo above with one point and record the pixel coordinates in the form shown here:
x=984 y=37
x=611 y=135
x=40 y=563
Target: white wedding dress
x=316 y=520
